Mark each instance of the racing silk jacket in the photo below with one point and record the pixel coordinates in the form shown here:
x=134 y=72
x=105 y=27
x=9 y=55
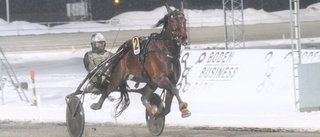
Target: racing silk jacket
x=92 y=59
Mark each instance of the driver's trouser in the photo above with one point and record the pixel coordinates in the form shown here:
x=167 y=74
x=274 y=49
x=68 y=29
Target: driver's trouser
x=98 y=82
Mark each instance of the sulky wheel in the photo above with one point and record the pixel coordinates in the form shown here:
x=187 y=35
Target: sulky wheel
x=75 y=117
x=155 y=124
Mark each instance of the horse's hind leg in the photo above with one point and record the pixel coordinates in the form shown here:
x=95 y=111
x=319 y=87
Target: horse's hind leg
x=146 y=94
x=98 y=105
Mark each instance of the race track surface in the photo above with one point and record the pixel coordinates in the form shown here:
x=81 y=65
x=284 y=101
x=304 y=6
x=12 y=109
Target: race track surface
x=13 y=129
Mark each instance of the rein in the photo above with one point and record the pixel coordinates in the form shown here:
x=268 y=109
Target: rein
x=178 y=39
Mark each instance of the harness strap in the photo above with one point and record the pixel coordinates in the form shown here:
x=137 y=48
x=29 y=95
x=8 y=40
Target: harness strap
x=144 y=72
x=147 y=77
x=144 y=53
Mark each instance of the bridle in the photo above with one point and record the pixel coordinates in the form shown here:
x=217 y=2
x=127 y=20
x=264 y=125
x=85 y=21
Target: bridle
x=174 y=33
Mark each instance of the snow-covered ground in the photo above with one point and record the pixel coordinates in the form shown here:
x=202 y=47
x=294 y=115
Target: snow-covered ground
x=59 y=73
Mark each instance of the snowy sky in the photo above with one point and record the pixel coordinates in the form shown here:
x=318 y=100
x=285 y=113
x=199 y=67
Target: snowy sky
x=59 y=73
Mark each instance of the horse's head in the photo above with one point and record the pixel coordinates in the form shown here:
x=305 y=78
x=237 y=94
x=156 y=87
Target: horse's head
x=174 y=25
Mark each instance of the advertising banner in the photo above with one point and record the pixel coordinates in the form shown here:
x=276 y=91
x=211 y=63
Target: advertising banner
x=240 y=70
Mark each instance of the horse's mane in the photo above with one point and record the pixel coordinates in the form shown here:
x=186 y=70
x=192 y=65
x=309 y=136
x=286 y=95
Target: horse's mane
x=162 y=21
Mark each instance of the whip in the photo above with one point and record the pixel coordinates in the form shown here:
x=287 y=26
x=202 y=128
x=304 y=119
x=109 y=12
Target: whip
x=115 y=39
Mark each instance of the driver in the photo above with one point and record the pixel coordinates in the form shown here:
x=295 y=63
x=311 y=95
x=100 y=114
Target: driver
x=93 y=58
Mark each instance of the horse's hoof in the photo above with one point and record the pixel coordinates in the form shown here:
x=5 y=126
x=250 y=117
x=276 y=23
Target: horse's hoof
x=183 y=105
x=185 y=113
x=95 y=106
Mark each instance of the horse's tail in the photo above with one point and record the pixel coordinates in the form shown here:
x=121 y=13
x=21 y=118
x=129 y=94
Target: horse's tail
x=124 y=101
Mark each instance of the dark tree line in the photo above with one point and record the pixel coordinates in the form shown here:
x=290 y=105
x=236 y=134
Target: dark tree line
x=55 y=10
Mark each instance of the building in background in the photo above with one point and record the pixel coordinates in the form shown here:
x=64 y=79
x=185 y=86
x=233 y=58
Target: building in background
x=56 y=10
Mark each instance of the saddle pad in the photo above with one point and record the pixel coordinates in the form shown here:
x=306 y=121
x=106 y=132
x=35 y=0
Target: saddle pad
x=136 y=45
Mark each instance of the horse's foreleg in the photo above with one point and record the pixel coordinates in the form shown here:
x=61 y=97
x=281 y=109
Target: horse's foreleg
x=168 y=102
x=98 y=105
x=183 y=106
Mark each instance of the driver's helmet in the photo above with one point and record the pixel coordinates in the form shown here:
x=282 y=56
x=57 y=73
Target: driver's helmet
x=97 y=37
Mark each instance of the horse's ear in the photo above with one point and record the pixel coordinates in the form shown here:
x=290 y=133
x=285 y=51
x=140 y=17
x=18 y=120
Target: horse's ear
x=181 y=7
x=168 y=8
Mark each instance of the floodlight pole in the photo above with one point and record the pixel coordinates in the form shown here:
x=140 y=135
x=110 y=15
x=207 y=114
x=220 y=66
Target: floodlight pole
x=296 y=46
x=8 y=16
x=233 y=23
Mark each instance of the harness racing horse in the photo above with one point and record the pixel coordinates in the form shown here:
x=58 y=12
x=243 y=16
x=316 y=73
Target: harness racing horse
x=158 y=66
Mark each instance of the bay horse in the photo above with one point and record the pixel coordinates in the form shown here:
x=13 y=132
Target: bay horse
x=160 y=67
